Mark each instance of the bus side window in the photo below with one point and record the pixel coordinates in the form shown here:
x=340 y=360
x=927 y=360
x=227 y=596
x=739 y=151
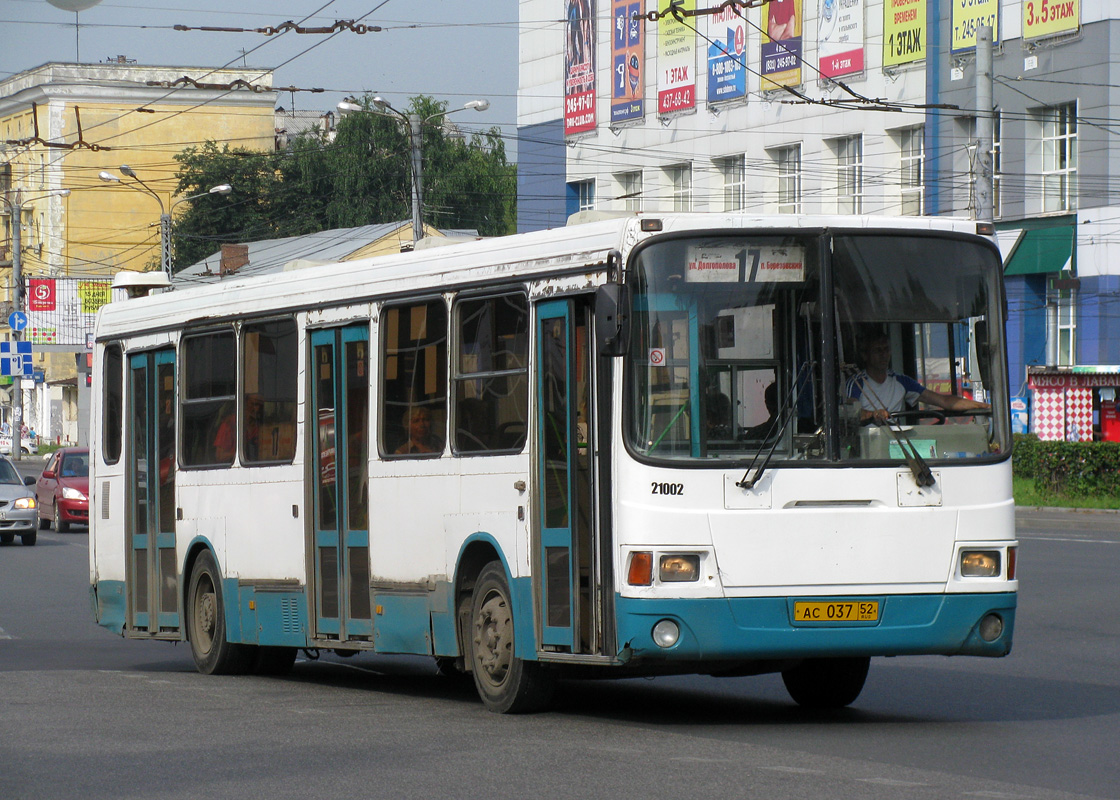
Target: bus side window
x=490 y=374
x=209 y=387
x=112 y=420
x=414 y=379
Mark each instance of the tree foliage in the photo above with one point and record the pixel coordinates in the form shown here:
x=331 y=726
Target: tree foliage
x=363 y=177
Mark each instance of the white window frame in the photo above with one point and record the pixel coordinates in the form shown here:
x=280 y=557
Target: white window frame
x=1058 y=167
x=630 y=189
x=585 y=190
x=679 y=179
x=849 y=174
x=911 y=173
x=733 y=170
x=787 y=163
x=1066 y=300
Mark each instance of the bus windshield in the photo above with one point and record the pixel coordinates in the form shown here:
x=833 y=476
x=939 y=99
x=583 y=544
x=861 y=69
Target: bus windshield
x=887 y=345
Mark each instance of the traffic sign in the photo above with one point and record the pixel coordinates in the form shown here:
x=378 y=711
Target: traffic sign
x=17 y=321
x=15 y=358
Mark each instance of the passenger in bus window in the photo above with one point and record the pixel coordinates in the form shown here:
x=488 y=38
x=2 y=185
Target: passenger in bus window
x=225 y=438
x=881 y=391
x=254 y=412
x=417 y=421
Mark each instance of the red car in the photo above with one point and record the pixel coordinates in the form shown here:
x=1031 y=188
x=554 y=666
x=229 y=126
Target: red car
x=62 y=491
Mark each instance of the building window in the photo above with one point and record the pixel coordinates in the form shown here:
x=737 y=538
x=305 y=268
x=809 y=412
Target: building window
x=1059 y=157
x=630 y=190
x=490 y=379
x=910 y=174
x=788 y=162
x=1066 y=300
x=733 y=170
x=680 y=186
x=581 y=196
x=849 y=175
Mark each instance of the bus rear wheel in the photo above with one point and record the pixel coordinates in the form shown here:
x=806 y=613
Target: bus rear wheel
x=826 y=682
x=206 y=623
x=506 y=683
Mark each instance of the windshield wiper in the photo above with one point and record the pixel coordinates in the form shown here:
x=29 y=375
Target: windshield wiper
x=785 y=414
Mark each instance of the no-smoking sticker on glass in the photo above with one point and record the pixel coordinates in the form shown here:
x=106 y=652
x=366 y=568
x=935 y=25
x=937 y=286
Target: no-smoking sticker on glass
x=657 y=356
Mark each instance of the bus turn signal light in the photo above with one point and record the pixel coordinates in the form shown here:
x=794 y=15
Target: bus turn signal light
x=641 y=569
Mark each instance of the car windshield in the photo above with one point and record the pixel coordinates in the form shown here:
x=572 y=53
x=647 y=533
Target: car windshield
x=75 y=465
x=8 y=473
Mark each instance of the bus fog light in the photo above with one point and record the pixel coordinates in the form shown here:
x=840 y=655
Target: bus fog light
x=675 y=569
x=991 y=627
x=980 y=564
x=666 y=633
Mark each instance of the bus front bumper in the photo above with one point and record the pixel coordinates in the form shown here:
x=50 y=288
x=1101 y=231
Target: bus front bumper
x=729 y=629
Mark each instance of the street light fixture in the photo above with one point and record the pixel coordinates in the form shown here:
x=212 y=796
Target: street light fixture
x=15 y=210
x=164 y=214
x=414 y=123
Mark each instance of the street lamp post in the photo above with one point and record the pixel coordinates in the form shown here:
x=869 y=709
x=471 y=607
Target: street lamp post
x=414 y=123
x=15 y=210
x=164 y=214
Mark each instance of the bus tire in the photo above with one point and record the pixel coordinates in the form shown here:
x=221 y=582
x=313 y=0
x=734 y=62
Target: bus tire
x=206 y=623
x=826 y=682
x=506 y=683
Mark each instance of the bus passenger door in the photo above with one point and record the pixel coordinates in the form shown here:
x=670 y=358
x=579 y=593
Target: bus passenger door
x=567 y=571
x=340 y=419
x=153 y=573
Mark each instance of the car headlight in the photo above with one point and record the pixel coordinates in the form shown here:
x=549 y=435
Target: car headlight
x=72 y=494
x=24 y=502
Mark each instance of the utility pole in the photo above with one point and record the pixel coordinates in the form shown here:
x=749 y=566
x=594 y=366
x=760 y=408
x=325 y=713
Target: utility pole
x=985 y=129
x=417 y=178
x=17 y=297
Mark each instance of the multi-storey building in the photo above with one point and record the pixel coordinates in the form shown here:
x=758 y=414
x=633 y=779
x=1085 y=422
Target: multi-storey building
x=854 y=106
x=61 y=125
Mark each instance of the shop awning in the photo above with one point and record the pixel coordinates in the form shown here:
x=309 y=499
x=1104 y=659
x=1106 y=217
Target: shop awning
x=1041 y=251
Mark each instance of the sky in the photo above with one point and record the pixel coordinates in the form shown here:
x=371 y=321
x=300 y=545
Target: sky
x=453 y=50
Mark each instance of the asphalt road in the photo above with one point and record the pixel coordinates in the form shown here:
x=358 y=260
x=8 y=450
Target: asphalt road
x=86 y=714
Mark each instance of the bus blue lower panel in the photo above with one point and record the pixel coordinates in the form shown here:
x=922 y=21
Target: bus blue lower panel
x=763 y=628
x=110 y=607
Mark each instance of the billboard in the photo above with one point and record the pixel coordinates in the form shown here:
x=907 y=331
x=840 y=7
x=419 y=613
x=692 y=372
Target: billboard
x=63 y=310
x=579 y=66
x=1042 y=18
x=781 y=43
x=676 y=63
x=904 y=32
x=727 y=55
x=628 y=61
x=840 y=37
x=968 y=15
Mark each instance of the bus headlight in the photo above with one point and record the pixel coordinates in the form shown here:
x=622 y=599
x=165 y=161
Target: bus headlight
x=979 y=563
x=666 y=633
x=679 y=568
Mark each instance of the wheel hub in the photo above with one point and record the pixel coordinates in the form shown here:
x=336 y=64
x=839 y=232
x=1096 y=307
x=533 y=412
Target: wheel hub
x=493 y=638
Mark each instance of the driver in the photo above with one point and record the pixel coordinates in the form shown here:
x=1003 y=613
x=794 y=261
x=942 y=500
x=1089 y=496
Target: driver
x=881 y=391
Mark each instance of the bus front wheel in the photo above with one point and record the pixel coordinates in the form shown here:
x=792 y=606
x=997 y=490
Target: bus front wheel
x=206 y=625
x=506 y=683
x=826 y=682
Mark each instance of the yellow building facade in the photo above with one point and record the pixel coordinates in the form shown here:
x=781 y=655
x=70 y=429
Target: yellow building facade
x=61 y=126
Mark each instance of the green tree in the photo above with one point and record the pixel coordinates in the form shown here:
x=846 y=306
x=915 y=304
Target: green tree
x=362 y=177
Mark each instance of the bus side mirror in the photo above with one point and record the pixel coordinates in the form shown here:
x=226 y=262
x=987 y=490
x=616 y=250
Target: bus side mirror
x=612 y=319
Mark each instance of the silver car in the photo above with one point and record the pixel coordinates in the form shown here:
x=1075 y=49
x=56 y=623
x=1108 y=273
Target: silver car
x=17 y=505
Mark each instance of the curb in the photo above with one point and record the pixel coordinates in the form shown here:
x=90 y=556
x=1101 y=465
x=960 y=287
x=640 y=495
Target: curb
x=1069 y=510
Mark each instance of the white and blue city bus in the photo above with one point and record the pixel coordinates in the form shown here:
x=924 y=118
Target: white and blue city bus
x=623 y=448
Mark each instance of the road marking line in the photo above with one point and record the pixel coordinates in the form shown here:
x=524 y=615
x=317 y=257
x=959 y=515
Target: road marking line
x=1068 y=539
x=4 y=635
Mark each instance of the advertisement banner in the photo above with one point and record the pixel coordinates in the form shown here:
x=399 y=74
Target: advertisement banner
x=628 y=57
x=676 y=63
x=781 y=44
x=727 y=55
x=904 y=31
x=840 y=37
x=968 y=15
x=579 y=67
x=1050 y=17
x=71 y=313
